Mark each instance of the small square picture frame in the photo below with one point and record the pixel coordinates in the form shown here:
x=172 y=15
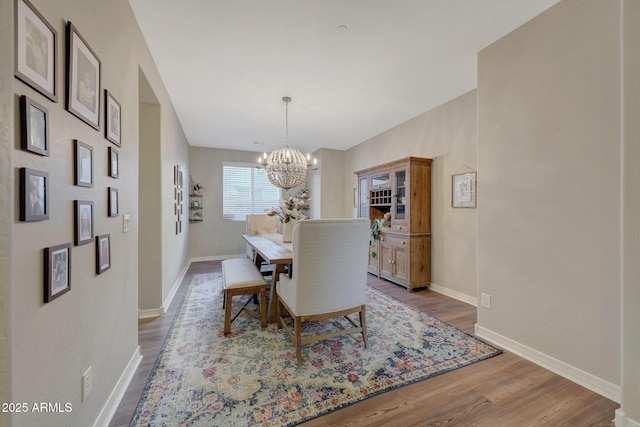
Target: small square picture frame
x=34 y=127
x=57 y=271
x=112 y=118
x=114 y=164
x=113 y=205
x=103 y=253
x=83 y=224
x=83 y=79
x=83 y=155
x=36 y=58
x=34 y=195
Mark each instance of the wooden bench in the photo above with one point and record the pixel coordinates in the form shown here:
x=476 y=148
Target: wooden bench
x=240 y=276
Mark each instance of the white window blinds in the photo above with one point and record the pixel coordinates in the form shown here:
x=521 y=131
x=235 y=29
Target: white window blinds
x=246 y=191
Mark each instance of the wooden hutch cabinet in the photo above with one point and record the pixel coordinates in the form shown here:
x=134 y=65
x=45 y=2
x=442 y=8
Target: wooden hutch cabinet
x=403 y=189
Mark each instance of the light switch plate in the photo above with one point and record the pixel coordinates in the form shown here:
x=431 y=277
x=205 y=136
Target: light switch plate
x=126 y=223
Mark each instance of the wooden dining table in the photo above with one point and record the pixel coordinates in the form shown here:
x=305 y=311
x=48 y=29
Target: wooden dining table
x=270 y=249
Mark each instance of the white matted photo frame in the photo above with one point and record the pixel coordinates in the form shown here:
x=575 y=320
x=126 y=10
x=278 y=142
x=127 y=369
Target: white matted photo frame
x=463 y=190
x=103 y=253
x=114 y=163
x=36 y=59
x=83 y=79
x=34 y=195
x=113 y=202
x=112 y=115
x=83 y=224
x=34 y=126
x=57 y=271
x=83 y=155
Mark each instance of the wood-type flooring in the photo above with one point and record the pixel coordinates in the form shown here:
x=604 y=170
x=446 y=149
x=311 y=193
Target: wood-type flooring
x=505 y=390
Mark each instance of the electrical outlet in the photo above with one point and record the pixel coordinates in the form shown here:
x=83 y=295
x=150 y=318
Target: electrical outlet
x=485 y=300
x=87 y=383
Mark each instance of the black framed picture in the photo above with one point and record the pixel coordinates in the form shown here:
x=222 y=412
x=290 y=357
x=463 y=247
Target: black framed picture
x=34 y=126
x=57 y=271
x=84 y=164
x=113 y=205
x=34 y=195
x=112 y=118
x=36 y=56
x=103 y=253
x=113 y=163
x=83 y=79
x=83 y=224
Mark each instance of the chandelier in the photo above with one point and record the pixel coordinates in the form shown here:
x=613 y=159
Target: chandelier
x=286 y=167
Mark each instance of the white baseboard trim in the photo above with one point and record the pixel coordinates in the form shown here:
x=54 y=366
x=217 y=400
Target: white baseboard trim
x=621 y=420
x=111 y=405
x=454 y=294
x=216 y=257
x=151 y=312
x=578 y=376
x=174 y=289
x=159 y=311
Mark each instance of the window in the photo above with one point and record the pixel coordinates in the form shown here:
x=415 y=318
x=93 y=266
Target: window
x=246 y=190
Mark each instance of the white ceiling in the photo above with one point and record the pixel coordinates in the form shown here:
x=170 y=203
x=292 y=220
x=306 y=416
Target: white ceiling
x=227 y=63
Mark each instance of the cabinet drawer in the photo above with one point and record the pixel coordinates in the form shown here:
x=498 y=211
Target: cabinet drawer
x=399 y=227
x=395 y=240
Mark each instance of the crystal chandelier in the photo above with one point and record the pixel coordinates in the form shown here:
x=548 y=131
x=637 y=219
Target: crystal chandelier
x=286 y=167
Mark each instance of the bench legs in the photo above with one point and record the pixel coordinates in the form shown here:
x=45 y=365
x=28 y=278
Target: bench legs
x=228 y=302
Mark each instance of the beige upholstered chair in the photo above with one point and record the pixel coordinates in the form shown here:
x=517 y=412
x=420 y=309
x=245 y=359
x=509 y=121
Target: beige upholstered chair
x=260 y=224
x=330 y=258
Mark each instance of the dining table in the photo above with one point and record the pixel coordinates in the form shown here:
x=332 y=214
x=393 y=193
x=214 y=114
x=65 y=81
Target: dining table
x=270 y=248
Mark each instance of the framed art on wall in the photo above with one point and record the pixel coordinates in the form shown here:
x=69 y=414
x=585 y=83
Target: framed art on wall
x=57 y=271
x=83 y=79
x=84 y=164
x=463 y=190
x=103 y=253
x=35 y=50
x=113 y=202
x=34 y=126
x=83 y=222
x=113 y=162
x=34 y=195
x=112 y=118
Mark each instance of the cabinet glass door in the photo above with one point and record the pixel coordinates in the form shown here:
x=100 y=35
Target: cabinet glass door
x=380 y=180
x=400 y=191
x=363 y=197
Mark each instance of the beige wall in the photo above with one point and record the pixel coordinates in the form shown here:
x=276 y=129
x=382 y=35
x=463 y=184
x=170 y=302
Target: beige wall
x=327 y=185
x=631 y=228
x=214 y=237
x=549 y=202
x=7 y=141
x=95 y=324
x=447 y=134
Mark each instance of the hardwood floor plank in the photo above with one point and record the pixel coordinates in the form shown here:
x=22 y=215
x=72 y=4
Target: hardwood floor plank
x=505 y=390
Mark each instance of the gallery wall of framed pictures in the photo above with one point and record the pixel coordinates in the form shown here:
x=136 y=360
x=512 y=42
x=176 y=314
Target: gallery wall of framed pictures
x=37 y=65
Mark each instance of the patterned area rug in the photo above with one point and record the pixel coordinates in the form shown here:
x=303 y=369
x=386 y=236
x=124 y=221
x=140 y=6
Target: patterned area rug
x=250 y=378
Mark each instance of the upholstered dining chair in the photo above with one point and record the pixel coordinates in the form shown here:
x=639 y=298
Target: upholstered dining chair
x=330 y=258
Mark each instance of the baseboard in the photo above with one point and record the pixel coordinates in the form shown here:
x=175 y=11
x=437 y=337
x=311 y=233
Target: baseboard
x=621 y=420
x=151 y=312
x=216 y=257
x=454 y=294
x=112 y=403
x=578 y=376
x=159 y=311
x=174 y=289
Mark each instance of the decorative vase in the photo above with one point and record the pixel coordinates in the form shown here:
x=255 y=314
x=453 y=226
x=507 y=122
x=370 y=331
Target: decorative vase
x=287 y=230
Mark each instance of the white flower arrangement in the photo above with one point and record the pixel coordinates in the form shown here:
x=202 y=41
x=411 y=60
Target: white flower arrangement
x=292 y=207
